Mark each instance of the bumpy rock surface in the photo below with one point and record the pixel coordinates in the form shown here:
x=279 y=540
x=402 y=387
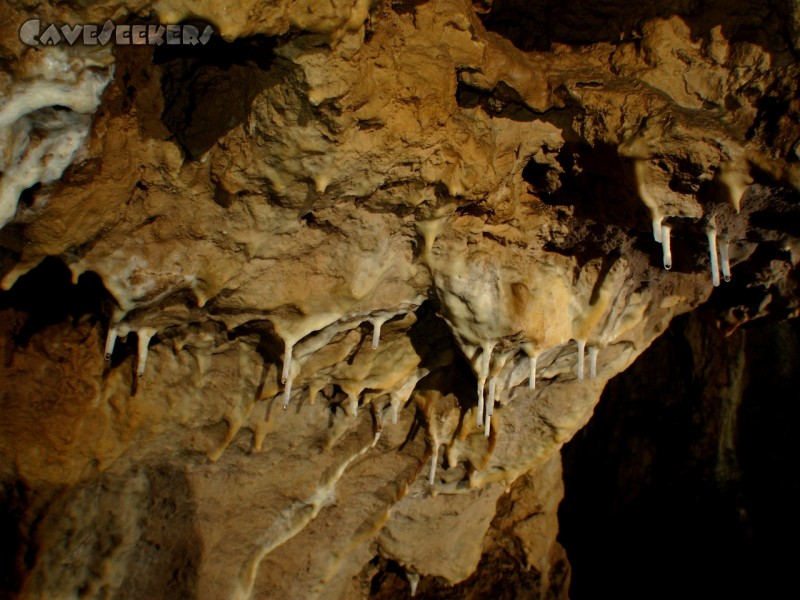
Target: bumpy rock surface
x=328 y=255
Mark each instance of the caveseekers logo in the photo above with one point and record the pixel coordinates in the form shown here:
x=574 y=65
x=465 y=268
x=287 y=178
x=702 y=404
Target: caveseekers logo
x=34 y=33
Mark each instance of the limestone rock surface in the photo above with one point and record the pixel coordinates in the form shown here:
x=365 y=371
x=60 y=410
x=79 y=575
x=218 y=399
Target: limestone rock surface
x=309 y=311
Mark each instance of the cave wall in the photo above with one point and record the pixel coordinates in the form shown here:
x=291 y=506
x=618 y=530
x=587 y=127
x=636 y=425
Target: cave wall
x=689 y=459
x=310 y=310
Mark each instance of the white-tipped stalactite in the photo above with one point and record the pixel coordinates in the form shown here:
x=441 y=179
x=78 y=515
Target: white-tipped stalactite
x=665 y=246
x=413 y=581
x=434 y=461
x=287 y=393
x=657 y=229
x=711 y=234
x=287 y=362
x=532 y=375
x=490 y=406
x=144 y=336
x=399 y=397
x=483 y=373
x=376 y=332
x=111 y=340
x=286 y=375
x=479 y=412
x=724 y=259
x=581 y=349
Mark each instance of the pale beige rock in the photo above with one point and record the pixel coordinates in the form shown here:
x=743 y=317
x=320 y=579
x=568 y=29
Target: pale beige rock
x=383 y=209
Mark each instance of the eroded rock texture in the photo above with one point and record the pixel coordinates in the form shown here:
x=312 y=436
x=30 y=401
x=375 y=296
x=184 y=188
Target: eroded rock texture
x=359 y=269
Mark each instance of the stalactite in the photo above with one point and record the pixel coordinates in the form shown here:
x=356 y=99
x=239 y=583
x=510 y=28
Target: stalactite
x=490 y=405
x=111 y=340
x=581 y=347
x=287 y=362
x=287 y=393
x=413 y=581
x=532 y=376
x=724 y=259
x=665 y=247
x=711 y=234
x=483 y=373
x=480 y=409
x=144 y=334
x=286 y=375
x=657 y=228
x=376 y=331
x=353 y=402
x=434 y=461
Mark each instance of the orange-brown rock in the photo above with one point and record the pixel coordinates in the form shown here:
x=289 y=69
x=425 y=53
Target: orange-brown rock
x=329 y=254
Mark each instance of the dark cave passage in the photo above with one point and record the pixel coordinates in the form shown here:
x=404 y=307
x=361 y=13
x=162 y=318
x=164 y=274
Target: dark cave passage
x=685 y=482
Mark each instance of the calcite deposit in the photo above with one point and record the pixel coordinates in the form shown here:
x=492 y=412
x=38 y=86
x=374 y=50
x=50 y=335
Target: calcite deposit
x=309 y=310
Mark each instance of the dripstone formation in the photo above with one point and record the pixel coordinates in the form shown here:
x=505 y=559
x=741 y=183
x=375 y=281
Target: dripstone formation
x=309 y=309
